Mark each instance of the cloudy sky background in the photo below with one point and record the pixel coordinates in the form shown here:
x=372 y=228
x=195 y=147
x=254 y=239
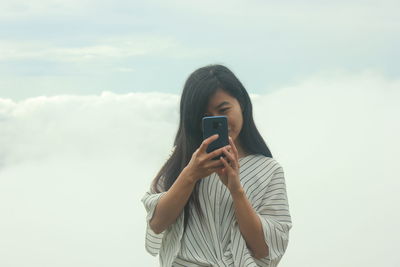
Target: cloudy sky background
x=89 y=96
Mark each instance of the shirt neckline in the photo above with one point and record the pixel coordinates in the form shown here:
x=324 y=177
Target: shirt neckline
x=247 y=156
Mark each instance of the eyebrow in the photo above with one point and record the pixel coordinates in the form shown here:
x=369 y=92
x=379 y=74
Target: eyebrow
x=222 y=104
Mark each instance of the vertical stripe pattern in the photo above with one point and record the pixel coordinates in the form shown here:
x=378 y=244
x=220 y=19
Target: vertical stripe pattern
x=217 y=241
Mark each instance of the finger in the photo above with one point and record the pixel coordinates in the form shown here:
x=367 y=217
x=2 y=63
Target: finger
x=217 y=166
x=217 y=169
x=207 y=142
x=226 y=165
x=214 y=164
x=231 y=158
x=216 y=152
x=233 y=147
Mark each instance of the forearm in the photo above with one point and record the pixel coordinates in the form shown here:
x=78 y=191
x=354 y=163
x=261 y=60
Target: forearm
x=172 y=203
x=250 y=225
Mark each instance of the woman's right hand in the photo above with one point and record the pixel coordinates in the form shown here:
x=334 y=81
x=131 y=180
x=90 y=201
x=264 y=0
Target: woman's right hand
x=202 y=164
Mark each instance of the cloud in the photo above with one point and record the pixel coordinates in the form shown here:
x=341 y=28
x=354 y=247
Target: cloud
x=20 y=9
x=66 y=44
x=73 y=170
x=335 y=134
x=307 y=16
x=125 y=70
x=40 y=126
x=112 y=48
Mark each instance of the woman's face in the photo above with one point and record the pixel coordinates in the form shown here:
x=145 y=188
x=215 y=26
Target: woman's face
x=223 y=104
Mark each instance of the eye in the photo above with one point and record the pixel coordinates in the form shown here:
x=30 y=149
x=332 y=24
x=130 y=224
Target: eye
x=221 y=110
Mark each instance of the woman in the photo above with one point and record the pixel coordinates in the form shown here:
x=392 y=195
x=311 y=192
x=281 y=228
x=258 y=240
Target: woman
x=228 y=212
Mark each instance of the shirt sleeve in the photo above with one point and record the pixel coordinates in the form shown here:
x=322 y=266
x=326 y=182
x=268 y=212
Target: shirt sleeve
x=153 y=241
x=271 y=205
x=273 y=212
x=167 y=243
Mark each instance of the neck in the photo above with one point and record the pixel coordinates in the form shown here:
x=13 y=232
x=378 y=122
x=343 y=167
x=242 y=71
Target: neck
x=242 y=153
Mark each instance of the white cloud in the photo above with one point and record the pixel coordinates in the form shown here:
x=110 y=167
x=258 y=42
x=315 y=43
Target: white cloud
x=337 y=137
x=125 y=70
x=102 y=49
x=75 y=167
x=308 y=16
x=40 y=126
x=66 y=44
x=20 y=9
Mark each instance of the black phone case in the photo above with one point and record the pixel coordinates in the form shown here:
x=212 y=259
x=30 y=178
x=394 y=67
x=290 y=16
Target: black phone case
x=216 y=125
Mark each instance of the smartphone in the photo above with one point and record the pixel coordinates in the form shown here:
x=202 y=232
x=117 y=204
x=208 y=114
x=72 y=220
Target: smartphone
x=216 y=125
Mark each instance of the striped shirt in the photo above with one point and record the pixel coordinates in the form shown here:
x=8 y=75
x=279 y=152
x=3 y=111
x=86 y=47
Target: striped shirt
x=217 y=241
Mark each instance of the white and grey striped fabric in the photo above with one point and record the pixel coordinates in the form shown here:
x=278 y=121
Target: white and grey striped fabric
x=217 y=241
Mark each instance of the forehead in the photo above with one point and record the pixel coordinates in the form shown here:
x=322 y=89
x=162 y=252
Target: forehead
x=219 y=97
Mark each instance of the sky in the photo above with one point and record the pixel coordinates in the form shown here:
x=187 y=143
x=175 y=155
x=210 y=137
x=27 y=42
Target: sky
x=89 y=108
x=86 y=47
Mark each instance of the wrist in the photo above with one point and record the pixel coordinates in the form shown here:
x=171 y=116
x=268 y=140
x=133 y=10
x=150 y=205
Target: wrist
x=188 y=176
x=238 y=192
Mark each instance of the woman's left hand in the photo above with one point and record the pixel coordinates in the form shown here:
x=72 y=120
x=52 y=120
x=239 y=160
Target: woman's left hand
x=229 y=174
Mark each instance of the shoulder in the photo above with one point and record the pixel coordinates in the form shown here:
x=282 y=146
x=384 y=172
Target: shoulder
x=256 y=174
x=267 y=167
x=263 y=161
x=258 y=166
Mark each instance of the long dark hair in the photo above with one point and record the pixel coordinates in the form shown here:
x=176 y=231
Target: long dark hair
x=199 y=87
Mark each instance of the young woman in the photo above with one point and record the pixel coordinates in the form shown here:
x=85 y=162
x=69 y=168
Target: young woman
x=228 y=212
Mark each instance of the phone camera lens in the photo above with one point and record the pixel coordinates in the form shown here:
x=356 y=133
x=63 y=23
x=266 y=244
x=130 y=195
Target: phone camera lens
x=216 y=124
